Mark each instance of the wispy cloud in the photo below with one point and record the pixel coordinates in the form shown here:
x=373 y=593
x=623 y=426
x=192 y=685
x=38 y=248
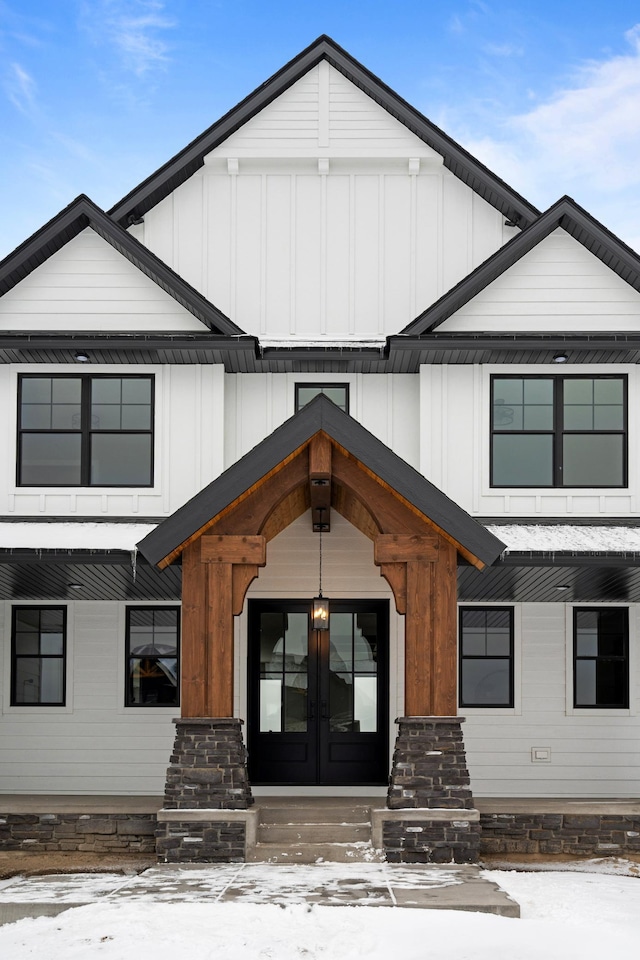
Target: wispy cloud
x=134 y=28
x=503 y=50
x=583 y=140
x=20 y=88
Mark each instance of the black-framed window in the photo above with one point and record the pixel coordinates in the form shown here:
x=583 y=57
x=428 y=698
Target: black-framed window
x=558 y=431
x=338 y=392
x=38 y=656
x=486 y=656
x=601 y=657
x=85 y=430
x=152 y=657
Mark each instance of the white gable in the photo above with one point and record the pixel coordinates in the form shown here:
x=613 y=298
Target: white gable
x=324 y=111
x=558 y=286
x=323 y=219
x=88 y=285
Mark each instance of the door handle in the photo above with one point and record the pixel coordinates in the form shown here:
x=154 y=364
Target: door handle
x=311 y=712
x=324 y=713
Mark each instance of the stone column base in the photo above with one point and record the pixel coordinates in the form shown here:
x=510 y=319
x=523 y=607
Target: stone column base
x=205 y=836
x=427 y=835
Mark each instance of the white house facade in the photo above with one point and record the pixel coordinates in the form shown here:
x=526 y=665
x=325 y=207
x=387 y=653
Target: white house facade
x=160 y=368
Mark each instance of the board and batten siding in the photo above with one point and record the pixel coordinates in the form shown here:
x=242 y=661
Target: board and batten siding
x=455 y=444
x=593 y=753
x=189 y=445
x=559 y=286
x=386 y=404
x=88 y=285
x=323 y=217
x=93 y=745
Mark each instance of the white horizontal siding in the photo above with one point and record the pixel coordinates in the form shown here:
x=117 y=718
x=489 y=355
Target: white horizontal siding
x=557 y=286
x=592 y=754
x=88 y=285
x=94 y=745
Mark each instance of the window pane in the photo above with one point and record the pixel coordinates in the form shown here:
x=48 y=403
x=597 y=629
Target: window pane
x=153 y=681
x=538 y=391
x=507 y=416
x=136 y=417
x=523 y=460
x=106 y=416
x=65 y=416
x=50 y=459
x=340 y=634
x=295 y=703
x=578 y=391
x=136 y=390
x=27 y=643
x=39 y=681
x=365 y=704
x=66 y=390
x=123 y=459
x=474 y=641
x=35 y=416
x=578 y=417
x=341 y=702
x=36 y=390
x=28 y=618
x=593 y=461
x=508 y=391
x=608 y=391
x=608 y=417
x=337 y=395
x=538 y=417
x=485 y=682
x=586 y=683
x=270 y=706
x=106 y=390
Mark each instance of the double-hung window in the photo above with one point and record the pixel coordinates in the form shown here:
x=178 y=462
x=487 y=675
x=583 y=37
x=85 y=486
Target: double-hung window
x=152 y=657
x=601 y=657
x=486 y=657
x=85 y=430
x=556 y=431
x=38 y=656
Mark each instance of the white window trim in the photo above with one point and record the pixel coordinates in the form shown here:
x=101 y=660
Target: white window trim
x=571 y=711
x=34 y=710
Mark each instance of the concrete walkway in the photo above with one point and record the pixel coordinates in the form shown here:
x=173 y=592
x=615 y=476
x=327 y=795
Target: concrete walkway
x=446 y=887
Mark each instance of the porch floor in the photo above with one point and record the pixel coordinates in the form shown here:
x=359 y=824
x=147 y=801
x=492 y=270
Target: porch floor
x=90 y=804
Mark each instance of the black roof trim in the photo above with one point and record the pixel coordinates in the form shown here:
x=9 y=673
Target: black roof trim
x=82 y=213
x=485 y=183
x=565 y=213
x=321 y=414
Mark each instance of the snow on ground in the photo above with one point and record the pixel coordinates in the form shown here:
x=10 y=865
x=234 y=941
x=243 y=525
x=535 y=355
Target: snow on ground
x=565 y=916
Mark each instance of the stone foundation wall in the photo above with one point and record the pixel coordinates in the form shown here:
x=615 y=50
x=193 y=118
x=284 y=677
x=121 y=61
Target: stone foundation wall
x=431 y=841
x=208 y=766
x=429 y=767
x=181 y=841
x=585 y=834
x=84 y=833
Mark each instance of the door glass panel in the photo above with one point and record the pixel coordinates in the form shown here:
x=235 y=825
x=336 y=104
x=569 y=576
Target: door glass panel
x=341 y=702
x=365 y=704
x=295 y=703
x=270 y=705
x=340 y=639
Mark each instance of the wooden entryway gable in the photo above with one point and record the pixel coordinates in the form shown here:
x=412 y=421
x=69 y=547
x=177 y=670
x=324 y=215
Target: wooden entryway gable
x=326 y=462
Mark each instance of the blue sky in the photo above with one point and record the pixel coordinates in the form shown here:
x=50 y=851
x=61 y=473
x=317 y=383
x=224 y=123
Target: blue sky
x=97 y=94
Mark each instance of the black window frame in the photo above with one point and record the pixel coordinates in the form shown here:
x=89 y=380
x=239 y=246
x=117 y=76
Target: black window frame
x=320 y=387
x=558 y=432
x=15 y=610
x=150 y=607
x=85 y=431
x=623 y=703
x=486 y=608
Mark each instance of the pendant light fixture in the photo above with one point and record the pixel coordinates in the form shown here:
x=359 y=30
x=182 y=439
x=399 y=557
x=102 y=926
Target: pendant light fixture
x=320 y=610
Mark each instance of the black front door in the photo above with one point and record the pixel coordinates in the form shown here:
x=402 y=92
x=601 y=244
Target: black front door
x=318 y=699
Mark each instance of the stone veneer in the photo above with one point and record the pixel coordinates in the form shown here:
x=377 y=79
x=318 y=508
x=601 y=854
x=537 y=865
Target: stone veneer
x=78 y=832
x=431 y=816
x=207 y=794
x=574 y=834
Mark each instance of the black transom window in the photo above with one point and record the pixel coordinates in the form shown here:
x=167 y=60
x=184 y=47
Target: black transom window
x=38 y=656
x=83 y=430
x=337 y=392
x=153 y=657
x=601 y=657
x=558 y=431
x=486 y=657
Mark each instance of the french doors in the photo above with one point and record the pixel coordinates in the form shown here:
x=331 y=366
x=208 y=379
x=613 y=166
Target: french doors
x=318 y=700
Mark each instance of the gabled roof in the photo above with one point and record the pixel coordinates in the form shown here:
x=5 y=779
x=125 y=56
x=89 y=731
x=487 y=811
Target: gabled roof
x=165 y=180
x=565 y=213
x=82 y=213
x=321 y=415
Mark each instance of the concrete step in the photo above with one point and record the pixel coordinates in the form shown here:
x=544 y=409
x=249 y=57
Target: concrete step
x=314 y=853
x=312 y=832
x=315 y=812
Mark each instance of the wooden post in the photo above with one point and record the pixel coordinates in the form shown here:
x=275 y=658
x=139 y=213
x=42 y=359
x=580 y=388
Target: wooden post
x=220 y=640
x=193 y=696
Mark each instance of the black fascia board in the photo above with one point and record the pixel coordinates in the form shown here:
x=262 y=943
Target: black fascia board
x=565 y=213
x=82 y=213
x=185 y=163
x=321 y=414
